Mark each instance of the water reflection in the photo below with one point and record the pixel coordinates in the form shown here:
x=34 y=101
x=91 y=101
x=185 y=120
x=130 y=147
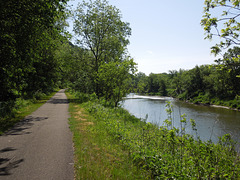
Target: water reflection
x=211 y=122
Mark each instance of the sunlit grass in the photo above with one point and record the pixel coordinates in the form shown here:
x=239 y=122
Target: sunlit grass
x=97 y=154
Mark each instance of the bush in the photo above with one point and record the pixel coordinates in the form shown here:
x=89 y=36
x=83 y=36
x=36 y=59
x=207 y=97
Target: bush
x=183 y=96
x=201 y=98
x=234 y=104
x=38 y=95
x=6 y=108
x=83 y=97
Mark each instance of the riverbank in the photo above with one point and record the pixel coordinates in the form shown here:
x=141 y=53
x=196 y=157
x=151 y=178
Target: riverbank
x=211 y=105
x=204 y=99
x=163 y=152
x=224 y=104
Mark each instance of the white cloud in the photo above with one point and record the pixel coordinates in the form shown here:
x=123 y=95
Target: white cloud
x=150 y=52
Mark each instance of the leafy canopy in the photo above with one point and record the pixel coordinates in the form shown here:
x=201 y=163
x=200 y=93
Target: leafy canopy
x=100 y=29
x=221 y=19
x=29 y=30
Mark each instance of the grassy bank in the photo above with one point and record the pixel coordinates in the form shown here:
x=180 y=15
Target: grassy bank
x=14 y=112
x=112 y=144
x=98 y=154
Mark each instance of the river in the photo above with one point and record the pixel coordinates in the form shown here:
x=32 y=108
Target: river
x=211 y=122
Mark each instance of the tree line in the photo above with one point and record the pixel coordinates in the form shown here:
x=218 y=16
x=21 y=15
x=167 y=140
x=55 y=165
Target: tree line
x=209 y=84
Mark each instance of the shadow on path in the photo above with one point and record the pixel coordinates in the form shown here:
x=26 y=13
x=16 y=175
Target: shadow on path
x=58 y=101
x=5 y=170
x=7 y=149
x=21 y=127
x=6 y=165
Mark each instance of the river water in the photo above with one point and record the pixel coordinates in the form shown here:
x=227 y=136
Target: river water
x=211 y=122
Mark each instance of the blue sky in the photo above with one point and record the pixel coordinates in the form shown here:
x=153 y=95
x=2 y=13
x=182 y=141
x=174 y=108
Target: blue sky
x=166 y=35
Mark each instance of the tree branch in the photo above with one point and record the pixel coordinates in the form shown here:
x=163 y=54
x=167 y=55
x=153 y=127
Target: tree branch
x=223 y=19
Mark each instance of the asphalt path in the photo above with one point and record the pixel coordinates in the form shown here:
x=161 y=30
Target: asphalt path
x=40 y=146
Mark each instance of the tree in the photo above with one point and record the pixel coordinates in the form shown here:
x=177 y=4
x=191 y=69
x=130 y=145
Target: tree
x=224 y=25
x=163 y=88
x=153 y=83
x=104 y=35
x=28 y=30
x=230 y=65
x=196 y=79
x=115 y=79
x=140 y=81
x=73 y=64
x=101 y=31
x=177 y=81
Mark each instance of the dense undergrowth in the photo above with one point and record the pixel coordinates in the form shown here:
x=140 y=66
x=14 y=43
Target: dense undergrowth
x=12 y=112
x=167 y=152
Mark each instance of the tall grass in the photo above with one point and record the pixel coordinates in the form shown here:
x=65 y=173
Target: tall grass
x=167 y=152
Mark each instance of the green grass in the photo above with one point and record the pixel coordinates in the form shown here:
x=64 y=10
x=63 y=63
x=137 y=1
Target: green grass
x=108 y=140
x=98 y=155
x=24 y=108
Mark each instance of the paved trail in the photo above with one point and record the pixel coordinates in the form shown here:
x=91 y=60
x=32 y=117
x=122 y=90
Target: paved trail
x=39 y=147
